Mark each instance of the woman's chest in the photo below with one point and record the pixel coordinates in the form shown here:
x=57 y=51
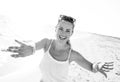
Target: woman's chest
x=59 y=55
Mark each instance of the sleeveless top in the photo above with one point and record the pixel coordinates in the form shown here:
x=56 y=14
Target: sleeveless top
x=53 y=70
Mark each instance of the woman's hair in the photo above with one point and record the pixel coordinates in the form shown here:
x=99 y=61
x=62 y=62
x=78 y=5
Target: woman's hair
x=68 y=42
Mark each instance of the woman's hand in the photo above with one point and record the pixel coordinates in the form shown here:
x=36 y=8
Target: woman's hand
x=22 y=51
x=106 y=67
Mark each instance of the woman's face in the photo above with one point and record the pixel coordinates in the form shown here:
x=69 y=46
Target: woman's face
x=64 y=30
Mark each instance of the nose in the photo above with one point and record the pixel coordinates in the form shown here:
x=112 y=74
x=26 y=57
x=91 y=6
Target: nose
x=63 y=33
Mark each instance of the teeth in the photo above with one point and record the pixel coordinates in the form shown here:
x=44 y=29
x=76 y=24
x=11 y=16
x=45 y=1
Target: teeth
x=62 y=37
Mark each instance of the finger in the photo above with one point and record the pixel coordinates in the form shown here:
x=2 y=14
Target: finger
x=13 y=47
x=4 y=50
x=108 y=67
x=21 y=43
x=15 y=55
x=13 y=50
x=105 y=70
x=103 y=73
x=109 y=62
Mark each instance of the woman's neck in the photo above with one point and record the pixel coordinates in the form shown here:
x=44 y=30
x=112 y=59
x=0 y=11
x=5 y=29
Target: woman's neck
x=60 y=44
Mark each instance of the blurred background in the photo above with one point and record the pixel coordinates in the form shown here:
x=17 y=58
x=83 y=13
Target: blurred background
x=36 y=19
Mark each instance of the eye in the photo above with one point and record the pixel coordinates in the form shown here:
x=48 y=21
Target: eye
x=67 y=30
x=61 y=28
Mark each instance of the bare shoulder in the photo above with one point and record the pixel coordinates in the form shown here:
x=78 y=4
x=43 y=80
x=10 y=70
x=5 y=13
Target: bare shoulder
x=75 y=55
x=44 y=40
x=48 y=41
x=42 y=43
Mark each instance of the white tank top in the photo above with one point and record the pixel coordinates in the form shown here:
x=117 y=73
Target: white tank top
x=53 y=70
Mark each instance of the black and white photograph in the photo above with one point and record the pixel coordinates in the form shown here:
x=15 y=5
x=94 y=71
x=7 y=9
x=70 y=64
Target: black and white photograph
x=59 y=41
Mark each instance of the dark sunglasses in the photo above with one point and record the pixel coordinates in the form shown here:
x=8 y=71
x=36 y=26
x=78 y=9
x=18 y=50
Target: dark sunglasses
x=67 y=18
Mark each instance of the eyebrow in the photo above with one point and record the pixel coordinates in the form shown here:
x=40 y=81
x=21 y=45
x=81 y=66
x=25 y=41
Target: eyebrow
x=60 y=27
x=67 y=29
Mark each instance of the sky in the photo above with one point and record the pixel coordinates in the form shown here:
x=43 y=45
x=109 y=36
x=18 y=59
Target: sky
x=36 y=19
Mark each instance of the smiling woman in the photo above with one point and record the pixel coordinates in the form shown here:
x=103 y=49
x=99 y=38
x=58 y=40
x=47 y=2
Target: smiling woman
x=94 y=47
x=96 y=16
x=58 y=54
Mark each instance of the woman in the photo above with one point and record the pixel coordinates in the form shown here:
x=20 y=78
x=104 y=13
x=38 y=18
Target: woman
x=59 y=54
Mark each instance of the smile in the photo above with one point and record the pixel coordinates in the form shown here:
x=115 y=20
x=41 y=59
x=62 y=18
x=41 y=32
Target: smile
x=62 y=37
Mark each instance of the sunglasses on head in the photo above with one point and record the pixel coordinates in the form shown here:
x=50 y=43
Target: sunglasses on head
x=67 y=18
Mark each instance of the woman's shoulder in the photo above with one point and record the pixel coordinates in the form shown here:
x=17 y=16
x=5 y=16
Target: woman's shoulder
x=48 y=42
x=75 y=55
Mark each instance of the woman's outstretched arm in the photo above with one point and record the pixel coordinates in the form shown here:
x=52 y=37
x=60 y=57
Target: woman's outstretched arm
x=80 y=60
x=26 y=49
